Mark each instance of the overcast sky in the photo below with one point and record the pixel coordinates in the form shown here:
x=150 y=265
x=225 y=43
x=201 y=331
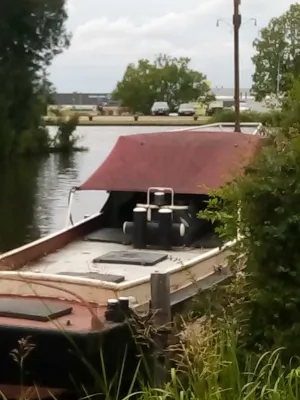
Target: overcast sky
x=107 y=35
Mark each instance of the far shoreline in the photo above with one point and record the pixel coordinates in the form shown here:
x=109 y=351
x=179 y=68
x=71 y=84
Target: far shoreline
x=129 y=121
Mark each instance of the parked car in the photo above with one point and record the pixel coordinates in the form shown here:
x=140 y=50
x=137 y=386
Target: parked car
x=214 y=107
x=160 y=108
x=212 y=110
x=243 y=107
x=186 y=109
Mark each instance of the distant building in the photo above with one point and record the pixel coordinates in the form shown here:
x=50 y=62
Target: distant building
x=94 y=99
x=84 y=99
x=228 y=93
x=246 y=96
x=75 y=98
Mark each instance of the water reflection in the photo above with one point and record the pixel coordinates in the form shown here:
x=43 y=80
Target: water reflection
x=66 y=164
x=57 y=174
x=34 y=192
x=18 y=203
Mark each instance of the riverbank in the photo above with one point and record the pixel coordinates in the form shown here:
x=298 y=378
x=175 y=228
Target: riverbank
x=129 y=121
x=209 y=366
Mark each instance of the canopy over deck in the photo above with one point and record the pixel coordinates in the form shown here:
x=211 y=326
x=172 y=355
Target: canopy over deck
x=190 y=162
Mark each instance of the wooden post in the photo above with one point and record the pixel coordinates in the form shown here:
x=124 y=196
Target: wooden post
x=161 y=309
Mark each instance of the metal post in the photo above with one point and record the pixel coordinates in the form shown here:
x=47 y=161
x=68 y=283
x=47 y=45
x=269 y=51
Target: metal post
x=69 y=213
x=278 y=78
x=237 y=19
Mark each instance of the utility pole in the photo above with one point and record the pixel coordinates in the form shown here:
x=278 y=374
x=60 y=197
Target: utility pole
x=278 y=79
x=237 y=20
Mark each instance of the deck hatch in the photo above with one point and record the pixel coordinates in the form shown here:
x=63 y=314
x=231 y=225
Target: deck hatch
x=33 y=309
x=108 y=235
x=146 y=259
x=95 y=275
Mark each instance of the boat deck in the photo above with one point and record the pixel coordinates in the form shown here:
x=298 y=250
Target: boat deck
x=77 y=259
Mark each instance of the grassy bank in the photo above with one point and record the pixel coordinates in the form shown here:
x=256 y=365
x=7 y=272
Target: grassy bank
x=271 y=118
x=129 y=121
x=208 y=367
x=207 y=364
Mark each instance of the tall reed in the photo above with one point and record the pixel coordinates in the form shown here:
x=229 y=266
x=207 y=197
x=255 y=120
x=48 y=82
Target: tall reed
x=208 y=367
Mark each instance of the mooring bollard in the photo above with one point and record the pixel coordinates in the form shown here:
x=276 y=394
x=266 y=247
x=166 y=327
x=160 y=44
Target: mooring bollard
x=161 y=310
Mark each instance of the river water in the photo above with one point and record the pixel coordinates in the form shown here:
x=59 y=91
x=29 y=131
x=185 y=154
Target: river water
x=34 y=192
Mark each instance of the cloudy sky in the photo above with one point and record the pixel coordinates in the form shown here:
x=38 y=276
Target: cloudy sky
x=107 y=35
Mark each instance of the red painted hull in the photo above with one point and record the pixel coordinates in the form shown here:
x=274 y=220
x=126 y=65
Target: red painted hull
x=29 y=392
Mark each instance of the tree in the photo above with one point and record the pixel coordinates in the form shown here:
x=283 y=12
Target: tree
x=166 y=79
x=269 y=223
x=32 y=33
x=277 y=58
x=291 y=106
x=46 y=92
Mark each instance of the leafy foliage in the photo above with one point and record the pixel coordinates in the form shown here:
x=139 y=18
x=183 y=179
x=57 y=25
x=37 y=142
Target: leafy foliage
x=269 y=224
x=65 y=140
x=277 y=58
x=291 y=105
x=32 y=33
x=271 y=118
x=166 y=79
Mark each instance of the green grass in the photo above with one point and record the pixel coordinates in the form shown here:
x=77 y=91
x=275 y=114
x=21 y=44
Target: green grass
x=206 y=366
x=208 y=369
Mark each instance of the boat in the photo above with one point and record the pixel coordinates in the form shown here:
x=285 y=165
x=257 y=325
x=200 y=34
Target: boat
x=66 y=290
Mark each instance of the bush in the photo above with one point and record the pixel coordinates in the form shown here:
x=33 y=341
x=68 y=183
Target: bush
x=108 y=112
x=269 y=224
x=34 y=141
x=123 y=111
x=65 y=139
x=207 y=367
x=270 y=118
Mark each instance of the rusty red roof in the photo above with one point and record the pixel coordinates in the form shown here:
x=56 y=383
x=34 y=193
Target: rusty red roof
x=190 y=162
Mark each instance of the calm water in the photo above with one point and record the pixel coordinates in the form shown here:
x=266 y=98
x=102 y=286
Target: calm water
x=34 y=193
